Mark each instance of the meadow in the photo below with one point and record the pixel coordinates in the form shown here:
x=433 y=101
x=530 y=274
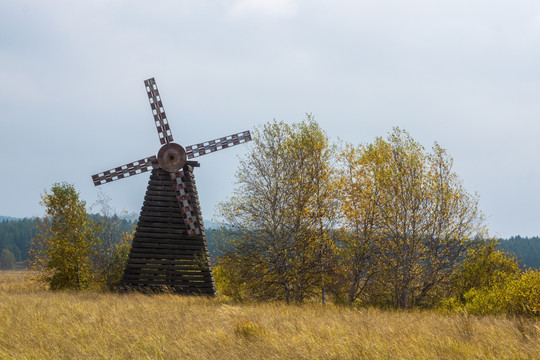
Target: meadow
x=40 y=324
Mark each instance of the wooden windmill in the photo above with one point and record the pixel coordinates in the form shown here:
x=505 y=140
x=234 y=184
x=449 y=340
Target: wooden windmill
x=169 y=249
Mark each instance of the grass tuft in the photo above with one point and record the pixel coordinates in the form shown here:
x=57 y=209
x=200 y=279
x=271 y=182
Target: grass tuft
x=248 y=330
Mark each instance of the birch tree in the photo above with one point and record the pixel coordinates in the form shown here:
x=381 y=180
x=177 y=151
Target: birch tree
x=281 y=212
x=407 y=209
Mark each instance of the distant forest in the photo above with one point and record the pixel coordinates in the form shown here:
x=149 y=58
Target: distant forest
x=16 y=236
x=527 y=250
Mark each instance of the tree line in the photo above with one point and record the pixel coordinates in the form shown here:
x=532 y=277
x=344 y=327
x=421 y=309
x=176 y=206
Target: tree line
x=526 y=250
x=16 y=236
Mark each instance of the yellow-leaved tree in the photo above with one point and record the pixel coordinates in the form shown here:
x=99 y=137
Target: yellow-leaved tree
x=61 y=251
x=408 y=217
x=281 y=214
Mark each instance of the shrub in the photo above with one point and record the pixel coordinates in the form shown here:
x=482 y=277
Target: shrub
x=228 y=281
x=523 y=294
x=486 y=301
x=518 y=296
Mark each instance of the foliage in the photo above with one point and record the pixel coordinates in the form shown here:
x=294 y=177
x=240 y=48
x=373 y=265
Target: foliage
x=61 y=251
x=281 y=212
x=409 y=218
x=405 y=220
x=229 y=282
x=7 y=260
x=485 y=267
x=490 y=282
x=110 y=261
x=486 y=301
x=524 y=294
x=518 y=296
x=75 y=250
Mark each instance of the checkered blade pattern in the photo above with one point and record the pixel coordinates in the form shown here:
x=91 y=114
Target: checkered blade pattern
x=181 y=184
x=208 y=147
x=133 y=168
x=160 y=119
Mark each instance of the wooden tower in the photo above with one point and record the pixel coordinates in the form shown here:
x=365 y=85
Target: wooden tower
x=169 y=250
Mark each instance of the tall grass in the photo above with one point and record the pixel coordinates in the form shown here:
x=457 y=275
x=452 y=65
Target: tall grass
x=38 y=324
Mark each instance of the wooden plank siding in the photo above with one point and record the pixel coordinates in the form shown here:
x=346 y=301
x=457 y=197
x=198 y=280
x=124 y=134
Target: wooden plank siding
x=163 y=257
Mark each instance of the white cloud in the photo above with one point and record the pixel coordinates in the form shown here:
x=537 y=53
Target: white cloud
x=267 y=8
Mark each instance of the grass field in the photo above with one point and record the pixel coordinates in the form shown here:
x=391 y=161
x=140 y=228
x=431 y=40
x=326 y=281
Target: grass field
x=38 y=324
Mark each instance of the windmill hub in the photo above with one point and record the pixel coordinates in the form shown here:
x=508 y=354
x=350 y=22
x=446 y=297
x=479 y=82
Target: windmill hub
x=171 y=157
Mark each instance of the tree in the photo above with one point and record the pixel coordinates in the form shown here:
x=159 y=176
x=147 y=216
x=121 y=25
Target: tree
x=61 y=251
x=7 y=260
x=281 y=212
x=409 y=217
x=359 y=195
x=111 y=251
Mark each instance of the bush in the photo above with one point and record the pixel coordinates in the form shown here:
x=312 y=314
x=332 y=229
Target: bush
x=518 y=296
x=485 y=301
x=484 y=267
x=523 y=294
x=228 y=281
x=490 y=282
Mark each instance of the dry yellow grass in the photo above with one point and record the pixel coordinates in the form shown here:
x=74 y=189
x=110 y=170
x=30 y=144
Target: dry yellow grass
x=37 y=324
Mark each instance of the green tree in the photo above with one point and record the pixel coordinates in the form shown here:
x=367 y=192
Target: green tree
x=7 y=260
x=61 y=251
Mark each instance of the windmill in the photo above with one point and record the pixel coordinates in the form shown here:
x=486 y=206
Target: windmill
x=169 y=249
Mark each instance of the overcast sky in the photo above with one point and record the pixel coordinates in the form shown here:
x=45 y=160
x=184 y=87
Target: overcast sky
x=463 y=73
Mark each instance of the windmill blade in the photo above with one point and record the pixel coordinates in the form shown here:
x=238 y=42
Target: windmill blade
x=133 y=168
x=162 y=125
x=211 y=146
x=184 y=201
